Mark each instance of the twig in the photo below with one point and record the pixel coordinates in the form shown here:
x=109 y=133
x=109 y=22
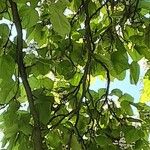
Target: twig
x=99 y=9
x=63 y=117
x=76 y=14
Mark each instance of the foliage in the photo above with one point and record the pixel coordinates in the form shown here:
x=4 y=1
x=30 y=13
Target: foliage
x=45 y=78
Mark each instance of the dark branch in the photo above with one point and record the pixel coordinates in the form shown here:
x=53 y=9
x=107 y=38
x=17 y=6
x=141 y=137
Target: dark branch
x=37 y=137
x=99 y=9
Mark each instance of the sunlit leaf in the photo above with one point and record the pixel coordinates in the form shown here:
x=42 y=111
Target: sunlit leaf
x=59 y=21
x=119 y=61
x=145 y=97
x=134 y=72
x=29 y=16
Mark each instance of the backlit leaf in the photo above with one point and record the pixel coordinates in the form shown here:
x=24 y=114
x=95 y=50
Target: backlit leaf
x=145 y=97
x=59 y=21
x=134 y=72
x=119 y=61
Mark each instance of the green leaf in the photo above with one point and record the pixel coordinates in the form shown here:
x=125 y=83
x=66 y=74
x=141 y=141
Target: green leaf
x=126 y=97
x=119 y=61
x=41 y=67
x=11 y=119
x=141 y=144
x=97 y=69
x=43 y=104
x=4 y=32
x=144 y=4
x=134 y=72
x=56 y=47
x=23 y=97
x=24 y=143
x=34 y=83
x=82 y=123
x=137 y=39
x=7 y=85
x=24 y=123
x=101 y=92
x=66 y=69
x=29 y=16
x=145 y=96
x=8 y=89
x=134 y=54
x=120 y=76
x=47 y=83
x=7 y=65
x=143 y=51
x=104 y=119
x=77 y=54
x=126 y=108
x=120 y=46
x=54 y=139
x=116 y=92
x=2 y=5
x=59 y=21
x=37 y=33
x=61 y=5
x=33 y=3
x=76 y=78
x=75 y=144
x=147 y=36
x=43 y=82
x=102 y=140
x=132 y=134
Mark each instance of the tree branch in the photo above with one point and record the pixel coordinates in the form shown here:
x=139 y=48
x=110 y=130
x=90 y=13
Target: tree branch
x=37 y=137
x=99 y=9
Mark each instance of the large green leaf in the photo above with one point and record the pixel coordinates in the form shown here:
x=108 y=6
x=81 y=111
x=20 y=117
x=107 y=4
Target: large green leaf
x=44 y=104
x=37 y=33
x=144 y=4
x=76 y=78
x=59 y=21
x=134 y=72
x=29 y=16
x=24 y=123
x=143 y=51
x=7 y=66
x=119 y=61
x=102 y=140
x=134 y=54
x=47 y=83
x=2 y=5
x=132 y=134
x=126 y=97
x=116 y=92
x=75 y=144
x=120 y=46
x=7 y=85
x=8 y=90
x=126 y=108
x=54 y=139
x=66 y=69
x=4 y=32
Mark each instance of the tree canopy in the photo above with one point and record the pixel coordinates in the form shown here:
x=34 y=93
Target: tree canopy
x=50 y=51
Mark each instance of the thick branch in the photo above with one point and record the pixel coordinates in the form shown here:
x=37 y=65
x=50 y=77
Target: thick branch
x=37 y=138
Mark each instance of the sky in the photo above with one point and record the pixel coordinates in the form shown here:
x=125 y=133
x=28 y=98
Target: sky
x=125 y=85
